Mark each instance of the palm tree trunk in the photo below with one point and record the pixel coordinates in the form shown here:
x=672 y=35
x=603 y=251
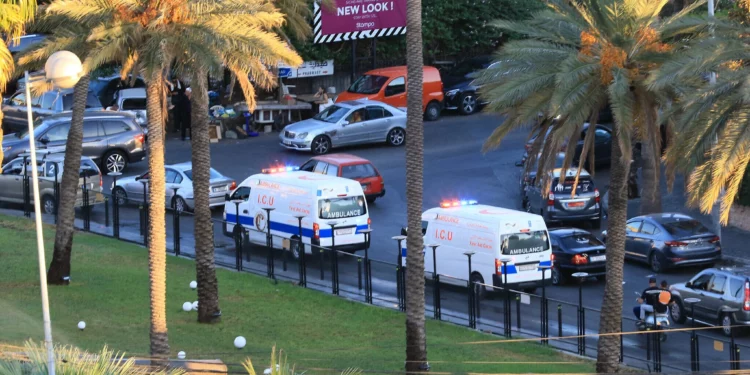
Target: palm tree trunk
x=416 y=342
x=59 y=268
x=608 y=348
x=651 y=161
x=208 y=287
x=157 y=236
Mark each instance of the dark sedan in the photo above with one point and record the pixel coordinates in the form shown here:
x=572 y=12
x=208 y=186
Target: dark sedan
x=670 y=240
x=460 y=86
x=576 y=250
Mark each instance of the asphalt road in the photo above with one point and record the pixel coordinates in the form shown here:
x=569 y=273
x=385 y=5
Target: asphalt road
x=454 y=167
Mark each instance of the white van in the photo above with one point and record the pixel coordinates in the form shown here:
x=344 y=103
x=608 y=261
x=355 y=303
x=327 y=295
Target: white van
x=322 y=200
x=494 y=234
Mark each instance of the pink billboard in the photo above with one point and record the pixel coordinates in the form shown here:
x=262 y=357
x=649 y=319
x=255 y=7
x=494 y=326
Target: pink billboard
x=359 y=19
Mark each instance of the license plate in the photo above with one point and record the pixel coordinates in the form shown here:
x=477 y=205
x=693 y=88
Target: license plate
x=527 y=267
x=344 y=231
x=598 y=258
x=575 y=205
x=220 y=188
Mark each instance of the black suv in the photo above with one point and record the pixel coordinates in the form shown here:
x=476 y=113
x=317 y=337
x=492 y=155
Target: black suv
x=112 y=139
x=461 y=90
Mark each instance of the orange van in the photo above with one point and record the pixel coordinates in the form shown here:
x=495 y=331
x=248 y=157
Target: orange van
x=388 y=85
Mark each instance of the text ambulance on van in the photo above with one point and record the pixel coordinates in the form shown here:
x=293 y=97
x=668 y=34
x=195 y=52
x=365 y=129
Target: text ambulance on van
x=320 y=200
x=494 y=235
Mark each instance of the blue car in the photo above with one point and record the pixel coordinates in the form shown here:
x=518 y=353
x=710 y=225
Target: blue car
x=669 y=240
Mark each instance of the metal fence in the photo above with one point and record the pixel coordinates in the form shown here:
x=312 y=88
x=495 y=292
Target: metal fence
x=565 y=325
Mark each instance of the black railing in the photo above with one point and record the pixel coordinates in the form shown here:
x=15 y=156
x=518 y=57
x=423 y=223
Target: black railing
x=477 y=305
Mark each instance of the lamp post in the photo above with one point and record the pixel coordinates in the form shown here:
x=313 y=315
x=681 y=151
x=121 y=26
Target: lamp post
x=64 y=69
x=472 y=294
x=301 y=253
x=400 y=274
x=435 y=282
x=334 y=259
x=544 y=303
x=581 y=276
x=175 y=223
x=115 y=206
x=506 y=307
x=694 y=365
x=368 y=286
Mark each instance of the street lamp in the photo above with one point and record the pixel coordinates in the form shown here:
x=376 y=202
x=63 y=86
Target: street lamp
x=581 y=276
x=63 y=69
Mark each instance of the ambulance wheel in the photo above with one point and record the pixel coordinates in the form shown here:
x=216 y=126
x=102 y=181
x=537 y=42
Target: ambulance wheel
x=477 y=281
x=294 y=247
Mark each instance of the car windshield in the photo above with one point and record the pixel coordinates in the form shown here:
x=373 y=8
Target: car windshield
x=580 y=240
x=91 y=101
x=469 y=66
x=367 y=84
x=332 y=114
x=214 y=174
x=685 y=228
x=39 y=126
x=340 y=208
x=525 y=243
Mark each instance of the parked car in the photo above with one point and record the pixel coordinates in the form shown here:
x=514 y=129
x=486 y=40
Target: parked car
x=670 y=240
x=112 y=139
x=346 y=124
x=602 y=145
x=388 y=85
x=576 y=250
x=461 y=88
x=132 y=101
x=105 y=88
x=558 y=206
x=351 y=167
x=723 y=299
x=50 y=170
x=47 y=104
x=179 y=182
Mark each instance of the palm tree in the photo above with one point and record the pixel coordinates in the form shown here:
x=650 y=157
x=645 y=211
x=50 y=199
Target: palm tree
x=71 y=38
x=579 y=56
x=711 y=142
x=16 y=13
x=416 y=341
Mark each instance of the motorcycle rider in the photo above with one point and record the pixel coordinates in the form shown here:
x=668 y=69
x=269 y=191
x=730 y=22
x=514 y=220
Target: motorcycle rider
x=647 y=301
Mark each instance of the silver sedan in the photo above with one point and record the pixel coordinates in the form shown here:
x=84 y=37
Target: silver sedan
x=346 y=124
x=179 y=182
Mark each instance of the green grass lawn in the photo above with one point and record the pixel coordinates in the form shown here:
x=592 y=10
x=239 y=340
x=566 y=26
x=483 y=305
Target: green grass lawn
x=109 y=290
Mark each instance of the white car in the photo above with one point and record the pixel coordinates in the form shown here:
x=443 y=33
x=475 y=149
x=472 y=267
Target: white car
x=133 y=101
x=179 y=177
x=345 y=124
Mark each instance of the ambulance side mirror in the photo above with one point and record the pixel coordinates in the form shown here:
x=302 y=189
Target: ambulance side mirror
x=403 y=231
x=226 y=198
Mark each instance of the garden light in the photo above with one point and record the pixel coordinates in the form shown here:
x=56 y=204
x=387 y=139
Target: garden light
x=239 y=342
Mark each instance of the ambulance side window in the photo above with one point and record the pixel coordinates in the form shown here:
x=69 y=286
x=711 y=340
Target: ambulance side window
x=424 y=227
x=242 y=192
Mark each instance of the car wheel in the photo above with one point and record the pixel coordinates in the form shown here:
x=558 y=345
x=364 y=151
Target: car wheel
x=48 y=205
x=558 y=276
x=656 y=262
x=468 y=104
x=320 y=145
x=477 y=281
x=179 y=204
x=677 y=312
x=120 y=196
x=114 y=161
x=432 y=112
x=726 y=324
x=396 y=137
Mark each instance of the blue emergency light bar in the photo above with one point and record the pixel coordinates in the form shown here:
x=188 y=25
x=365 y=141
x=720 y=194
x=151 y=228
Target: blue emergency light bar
x=279 y=170
x=459 y=203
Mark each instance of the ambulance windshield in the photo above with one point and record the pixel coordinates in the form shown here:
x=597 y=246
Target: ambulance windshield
x=525 y=243
x=340 y=208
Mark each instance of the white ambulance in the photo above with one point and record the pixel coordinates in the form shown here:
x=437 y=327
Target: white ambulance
x=320 y=200
x=494 y=235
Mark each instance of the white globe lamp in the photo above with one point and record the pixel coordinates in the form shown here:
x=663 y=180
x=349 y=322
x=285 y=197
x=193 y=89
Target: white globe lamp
x=239 y=342
x=181 y=355
x=81 y=325
x=195 y=305
x=187 y=306
x=64 y=69
x=193 y=285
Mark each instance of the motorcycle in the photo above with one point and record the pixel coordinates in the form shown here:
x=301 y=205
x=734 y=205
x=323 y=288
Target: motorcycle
x=654 y=320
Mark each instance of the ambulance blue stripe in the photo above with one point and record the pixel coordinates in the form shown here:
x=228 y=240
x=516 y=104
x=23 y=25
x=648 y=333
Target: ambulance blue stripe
x=286 y=228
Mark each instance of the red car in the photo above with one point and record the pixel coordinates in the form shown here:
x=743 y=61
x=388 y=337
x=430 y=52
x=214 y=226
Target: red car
x=351 y=167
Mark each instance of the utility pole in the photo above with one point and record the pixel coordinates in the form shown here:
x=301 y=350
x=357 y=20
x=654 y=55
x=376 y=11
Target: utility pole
x=716 y=210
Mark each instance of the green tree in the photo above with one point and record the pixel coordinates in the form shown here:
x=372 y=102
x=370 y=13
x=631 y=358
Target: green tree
x=15 y=15
x=579 y=56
